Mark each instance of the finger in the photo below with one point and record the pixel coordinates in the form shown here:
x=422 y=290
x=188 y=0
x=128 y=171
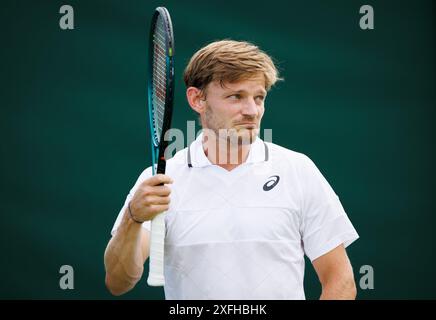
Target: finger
x=161 y=191
x=159 y=179
x=158 y=208
x=152 y=200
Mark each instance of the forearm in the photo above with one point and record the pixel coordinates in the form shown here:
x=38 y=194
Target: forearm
x=339 y=289
x=124 y=257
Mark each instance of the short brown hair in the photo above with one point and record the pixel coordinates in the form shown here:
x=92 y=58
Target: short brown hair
x=230 y=61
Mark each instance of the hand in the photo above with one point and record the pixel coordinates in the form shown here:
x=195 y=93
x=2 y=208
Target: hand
x=151 y=198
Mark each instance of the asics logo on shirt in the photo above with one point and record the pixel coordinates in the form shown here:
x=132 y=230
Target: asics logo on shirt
x=271 y=183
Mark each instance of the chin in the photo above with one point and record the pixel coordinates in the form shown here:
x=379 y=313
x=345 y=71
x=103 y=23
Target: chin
x=247 y=136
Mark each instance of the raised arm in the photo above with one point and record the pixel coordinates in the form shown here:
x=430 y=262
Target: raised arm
x=128 y=249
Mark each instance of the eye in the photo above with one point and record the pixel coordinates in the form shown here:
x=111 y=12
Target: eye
x=235 y=96
x=260 y=98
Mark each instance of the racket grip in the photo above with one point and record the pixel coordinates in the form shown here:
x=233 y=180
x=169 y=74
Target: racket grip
x=156 y=271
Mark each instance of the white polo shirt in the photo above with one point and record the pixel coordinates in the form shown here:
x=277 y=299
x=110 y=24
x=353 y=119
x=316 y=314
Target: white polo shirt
x=243 y=234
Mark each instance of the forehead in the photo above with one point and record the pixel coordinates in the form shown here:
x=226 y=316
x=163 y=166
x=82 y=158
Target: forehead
x=252 y=84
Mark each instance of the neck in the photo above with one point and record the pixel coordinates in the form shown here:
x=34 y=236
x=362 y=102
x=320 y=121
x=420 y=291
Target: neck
x=226 y=153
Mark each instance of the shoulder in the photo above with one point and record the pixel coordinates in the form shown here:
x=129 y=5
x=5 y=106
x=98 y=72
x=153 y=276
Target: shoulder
x=179 y=159
x=287 y=156
x=296 y=163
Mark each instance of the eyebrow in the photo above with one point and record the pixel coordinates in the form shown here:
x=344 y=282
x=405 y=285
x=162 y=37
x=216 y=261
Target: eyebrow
x=263 y=92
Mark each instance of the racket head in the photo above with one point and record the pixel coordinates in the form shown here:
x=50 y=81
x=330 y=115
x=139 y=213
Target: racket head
x=160 y=87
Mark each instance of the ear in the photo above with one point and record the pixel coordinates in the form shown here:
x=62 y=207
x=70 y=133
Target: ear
x=195 y=99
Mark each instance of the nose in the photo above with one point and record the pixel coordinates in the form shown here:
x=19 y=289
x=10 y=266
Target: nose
x=250 y=108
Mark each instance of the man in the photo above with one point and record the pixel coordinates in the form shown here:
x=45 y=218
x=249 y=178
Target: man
x=243 y=212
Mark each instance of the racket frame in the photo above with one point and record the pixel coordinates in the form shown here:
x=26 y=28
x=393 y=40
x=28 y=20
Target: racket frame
x=158 y=147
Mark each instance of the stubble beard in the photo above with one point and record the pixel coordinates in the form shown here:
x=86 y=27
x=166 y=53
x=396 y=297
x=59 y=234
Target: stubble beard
x=223 y=134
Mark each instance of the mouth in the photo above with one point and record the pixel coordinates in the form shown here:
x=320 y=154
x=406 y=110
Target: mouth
x=248 y=125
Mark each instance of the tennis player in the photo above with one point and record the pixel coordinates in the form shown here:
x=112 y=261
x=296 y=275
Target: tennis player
x=241 y=213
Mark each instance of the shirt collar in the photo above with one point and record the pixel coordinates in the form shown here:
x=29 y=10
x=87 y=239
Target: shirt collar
x=197 y=158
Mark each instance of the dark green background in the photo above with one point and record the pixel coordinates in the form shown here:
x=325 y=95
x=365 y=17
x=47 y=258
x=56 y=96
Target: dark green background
x=74 y=131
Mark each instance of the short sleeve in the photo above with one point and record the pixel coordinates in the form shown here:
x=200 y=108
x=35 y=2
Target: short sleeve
x=324 y=222
x=147 y=224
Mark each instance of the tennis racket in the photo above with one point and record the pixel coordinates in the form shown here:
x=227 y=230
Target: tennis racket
x=160 y=107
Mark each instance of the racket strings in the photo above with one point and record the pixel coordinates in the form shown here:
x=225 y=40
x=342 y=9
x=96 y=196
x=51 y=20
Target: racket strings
x=159 y=76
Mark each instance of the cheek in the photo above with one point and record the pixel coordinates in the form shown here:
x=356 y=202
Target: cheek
x=227 y=112
x=261 y=111
x=219 y=115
